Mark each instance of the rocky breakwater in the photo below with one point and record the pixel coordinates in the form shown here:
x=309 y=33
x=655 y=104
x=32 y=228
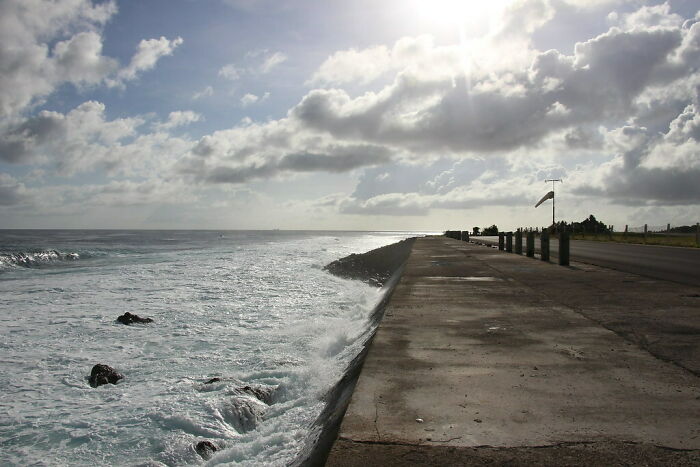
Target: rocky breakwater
x=374 y=267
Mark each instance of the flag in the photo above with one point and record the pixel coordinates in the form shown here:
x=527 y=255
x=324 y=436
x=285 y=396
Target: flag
x=549 y=195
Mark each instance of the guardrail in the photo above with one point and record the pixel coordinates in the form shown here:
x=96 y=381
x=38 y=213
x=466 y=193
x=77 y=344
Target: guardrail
x=506 y=241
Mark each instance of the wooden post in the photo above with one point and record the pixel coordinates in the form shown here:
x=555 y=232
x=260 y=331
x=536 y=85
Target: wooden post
x=544 y=245
x=509 y=242
x=501 y=241
x=697 y=233
x=518 y=242
x=645 y=233
x=531 y=244
x=564 y=248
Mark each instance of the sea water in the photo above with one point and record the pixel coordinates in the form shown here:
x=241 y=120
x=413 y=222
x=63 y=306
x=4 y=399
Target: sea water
x=253 y=308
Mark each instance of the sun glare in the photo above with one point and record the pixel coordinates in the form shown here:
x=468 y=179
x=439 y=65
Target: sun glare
x=475 y=16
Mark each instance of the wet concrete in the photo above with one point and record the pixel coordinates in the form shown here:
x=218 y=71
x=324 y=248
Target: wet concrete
x=484 y=356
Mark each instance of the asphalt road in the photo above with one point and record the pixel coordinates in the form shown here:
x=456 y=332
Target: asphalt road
x=675 y=264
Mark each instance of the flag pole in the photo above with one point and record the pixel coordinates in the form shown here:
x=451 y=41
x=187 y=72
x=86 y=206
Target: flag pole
x=553 y=180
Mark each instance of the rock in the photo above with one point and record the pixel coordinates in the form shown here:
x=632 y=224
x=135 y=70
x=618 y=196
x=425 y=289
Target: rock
x=213 y=380
x=242 y=413
x=374 y=267
x=103 y=374
x=206 y=449
x=128 y=318
x=263 y=394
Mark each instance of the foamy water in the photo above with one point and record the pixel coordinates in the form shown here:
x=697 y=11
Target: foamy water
x=254 y=309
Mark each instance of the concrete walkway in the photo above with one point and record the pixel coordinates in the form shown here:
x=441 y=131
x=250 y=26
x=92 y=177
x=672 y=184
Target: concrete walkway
x=487 y=357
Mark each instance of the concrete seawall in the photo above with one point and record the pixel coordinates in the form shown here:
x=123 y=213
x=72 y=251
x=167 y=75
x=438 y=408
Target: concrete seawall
x=484 y=357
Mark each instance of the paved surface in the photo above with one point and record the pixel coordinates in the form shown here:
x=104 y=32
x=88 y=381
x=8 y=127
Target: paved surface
x=676 y=264
x=478 y=360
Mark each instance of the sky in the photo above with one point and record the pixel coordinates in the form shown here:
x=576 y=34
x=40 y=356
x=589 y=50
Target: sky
x=347 y=114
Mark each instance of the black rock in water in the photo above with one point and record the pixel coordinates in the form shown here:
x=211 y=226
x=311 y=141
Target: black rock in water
x=128 y=318
x=103 y=374
x=263 y=394
x=206 y=449
x=213 y=380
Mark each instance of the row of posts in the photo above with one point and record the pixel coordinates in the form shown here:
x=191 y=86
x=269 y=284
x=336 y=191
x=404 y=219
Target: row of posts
x=458 y=235
x=505 y=242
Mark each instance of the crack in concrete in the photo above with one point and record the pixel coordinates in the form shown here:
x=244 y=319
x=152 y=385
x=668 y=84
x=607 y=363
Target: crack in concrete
x=540 y=446
x=376 y=416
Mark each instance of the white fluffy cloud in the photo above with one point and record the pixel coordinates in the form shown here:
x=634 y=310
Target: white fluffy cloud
x=272 y=61
x=249 y=99
x=148 y=52
x=256 y=62
x=84 y=139
x=208 y=91
x=12 y=192
x=179 y=118
x=443 y=126
x=230 y=72
x=47 y=43
x=29 y=67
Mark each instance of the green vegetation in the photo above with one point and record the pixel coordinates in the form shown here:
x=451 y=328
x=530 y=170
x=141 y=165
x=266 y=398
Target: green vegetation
x=595 y=230
x=590 y=225
x=493 y=230
x=634 y=237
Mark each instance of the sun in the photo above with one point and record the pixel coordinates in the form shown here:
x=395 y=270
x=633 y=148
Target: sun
x=478 y=16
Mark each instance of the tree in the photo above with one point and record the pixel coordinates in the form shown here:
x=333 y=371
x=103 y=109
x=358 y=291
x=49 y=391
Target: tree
x=493 y=230
x=475 y=230
x=589 y=225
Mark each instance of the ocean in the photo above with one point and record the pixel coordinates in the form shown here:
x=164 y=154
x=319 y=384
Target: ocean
x=254 y=309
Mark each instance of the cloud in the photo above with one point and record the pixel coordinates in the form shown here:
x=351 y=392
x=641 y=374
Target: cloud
x=650 y=168
x=502 y=111
x=559 y=102
x=272 y=61
x=272 y=149
x=83 y=139
x=179 y=118
x=49 y=43
x=654 y=16
x=148 y=52
x=256 y=62
x=230 y=72
x=443 y=126
x=366 y=65
x=249 y=99
x=29 y=68
x=206 y=92
x=80 y=60
x=12 y=192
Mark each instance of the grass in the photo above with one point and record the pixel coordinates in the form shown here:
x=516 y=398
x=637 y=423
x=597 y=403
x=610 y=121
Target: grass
x=634 y=237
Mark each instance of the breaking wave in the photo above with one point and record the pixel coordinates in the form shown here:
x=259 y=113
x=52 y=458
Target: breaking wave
x=35 y=259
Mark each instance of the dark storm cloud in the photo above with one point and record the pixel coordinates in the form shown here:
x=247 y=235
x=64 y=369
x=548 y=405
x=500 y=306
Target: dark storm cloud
x=18 y=143
x=336 y=159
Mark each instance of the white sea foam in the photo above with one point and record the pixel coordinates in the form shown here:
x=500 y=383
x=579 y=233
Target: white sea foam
x=254 y=309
